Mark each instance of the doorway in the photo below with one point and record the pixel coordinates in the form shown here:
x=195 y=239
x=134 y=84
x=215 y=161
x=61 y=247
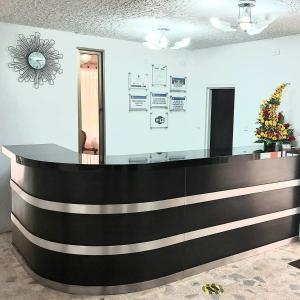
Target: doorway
x=91 y=103
x=220 y=120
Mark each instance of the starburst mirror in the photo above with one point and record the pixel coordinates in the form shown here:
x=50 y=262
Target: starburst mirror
x=35 y=60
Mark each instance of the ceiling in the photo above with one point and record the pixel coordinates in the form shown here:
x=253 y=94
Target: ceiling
x=132 y=19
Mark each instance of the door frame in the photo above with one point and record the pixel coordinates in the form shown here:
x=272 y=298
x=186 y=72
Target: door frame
x=209 y=89
x=101 y=97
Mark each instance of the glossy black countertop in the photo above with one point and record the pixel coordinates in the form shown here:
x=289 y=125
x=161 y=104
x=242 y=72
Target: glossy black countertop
x=52 y=154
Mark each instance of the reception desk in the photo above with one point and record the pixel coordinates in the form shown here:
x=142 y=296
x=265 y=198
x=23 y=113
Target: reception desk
x=136 y=222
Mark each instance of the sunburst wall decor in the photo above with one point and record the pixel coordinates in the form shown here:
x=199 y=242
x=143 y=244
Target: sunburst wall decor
x=35 y=59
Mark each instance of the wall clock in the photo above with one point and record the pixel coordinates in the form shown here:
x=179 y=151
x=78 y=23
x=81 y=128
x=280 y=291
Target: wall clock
x=35 y=60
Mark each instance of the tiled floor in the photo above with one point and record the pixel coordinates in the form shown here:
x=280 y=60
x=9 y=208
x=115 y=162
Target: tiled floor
x=266 y=276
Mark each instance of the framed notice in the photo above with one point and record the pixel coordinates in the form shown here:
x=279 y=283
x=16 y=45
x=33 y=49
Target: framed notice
x=159 y=100
x=178 y=84
x=138 y=160
x=137 y=81
x=177 y=103
x=158 y=157
x=138 y=102
x=159 y=75
x=158 y=119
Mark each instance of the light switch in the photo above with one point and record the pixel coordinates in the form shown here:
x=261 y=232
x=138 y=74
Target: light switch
x=276 y=52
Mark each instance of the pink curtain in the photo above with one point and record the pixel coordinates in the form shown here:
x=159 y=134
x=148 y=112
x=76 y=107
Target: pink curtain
x=90 y=106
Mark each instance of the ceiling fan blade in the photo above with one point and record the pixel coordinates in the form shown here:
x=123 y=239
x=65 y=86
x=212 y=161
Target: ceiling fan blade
x=255 y=29
x=221 y=25
x=262 y=23
x=152 y=46
x=181 y=44
x=152 y=36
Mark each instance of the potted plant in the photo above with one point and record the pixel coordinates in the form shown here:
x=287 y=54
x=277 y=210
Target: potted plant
x=272 y=129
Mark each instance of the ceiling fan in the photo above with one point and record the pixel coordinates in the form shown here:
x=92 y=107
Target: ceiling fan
x=157 y=40
x=245 y=20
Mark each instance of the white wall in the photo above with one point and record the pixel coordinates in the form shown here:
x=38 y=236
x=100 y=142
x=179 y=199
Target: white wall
x=255 y=72
x=49 y=114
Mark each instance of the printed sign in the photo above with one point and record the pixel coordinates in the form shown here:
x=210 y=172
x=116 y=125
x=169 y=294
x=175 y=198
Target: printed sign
x=177 y=103
x=159 y=75
x=178 y=84
x=158 y=119
x=137 y=81
x=158 y=157
x=159 y=100
x=138 y=102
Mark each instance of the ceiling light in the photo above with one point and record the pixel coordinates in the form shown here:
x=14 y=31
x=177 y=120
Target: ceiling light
x=222 y=25
x=182 y=44
x=245 y=26
x=157 y=40
x=245 y=14
x=245 y=21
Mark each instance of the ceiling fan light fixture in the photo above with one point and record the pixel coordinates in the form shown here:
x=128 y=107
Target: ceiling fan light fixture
x=245 y=26
x=245 y=14
x=151 y=46
x=221 y=25
x=182 y=44
x=158 y=40
x=215 y=21
x=245 y=21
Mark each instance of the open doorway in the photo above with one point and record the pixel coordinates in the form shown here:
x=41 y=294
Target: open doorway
x=91 y=103
x=220 y=112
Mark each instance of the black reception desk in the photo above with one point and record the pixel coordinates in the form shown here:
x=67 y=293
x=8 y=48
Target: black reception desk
x=136 y=222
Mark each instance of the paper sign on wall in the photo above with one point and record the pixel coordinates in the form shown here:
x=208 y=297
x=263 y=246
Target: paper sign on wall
x=159 y=75
x=159 y=100
x=138 y=102
x=158 y=157
x=178 y=103
x=178 y=84
x=158 y=119
x=137 y=81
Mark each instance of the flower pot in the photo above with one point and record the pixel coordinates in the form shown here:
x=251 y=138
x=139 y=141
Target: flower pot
x=286 y=146
x=270 y=147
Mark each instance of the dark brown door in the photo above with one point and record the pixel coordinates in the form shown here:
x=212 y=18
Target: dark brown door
x=222 y=116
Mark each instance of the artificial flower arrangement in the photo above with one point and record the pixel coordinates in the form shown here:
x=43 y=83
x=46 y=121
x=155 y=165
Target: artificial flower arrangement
x=272 y=126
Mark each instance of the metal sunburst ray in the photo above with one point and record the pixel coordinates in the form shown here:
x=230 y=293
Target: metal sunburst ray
x=23 y=44
x=48 y=46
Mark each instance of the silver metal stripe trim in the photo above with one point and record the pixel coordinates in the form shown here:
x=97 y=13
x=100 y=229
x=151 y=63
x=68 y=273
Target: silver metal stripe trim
x=148 y=206
x=151 y=245
x=8 y=153
x=135 y=287
x=239 y=224
x=236 y=257
x=96 y=209
x=242 y=191
x=97 y=250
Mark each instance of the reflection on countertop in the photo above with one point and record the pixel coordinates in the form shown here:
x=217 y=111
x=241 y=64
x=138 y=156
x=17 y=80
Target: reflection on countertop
x=52 y=153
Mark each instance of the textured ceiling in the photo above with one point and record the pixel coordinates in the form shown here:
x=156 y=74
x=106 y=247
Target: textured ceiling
x=132 y=19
